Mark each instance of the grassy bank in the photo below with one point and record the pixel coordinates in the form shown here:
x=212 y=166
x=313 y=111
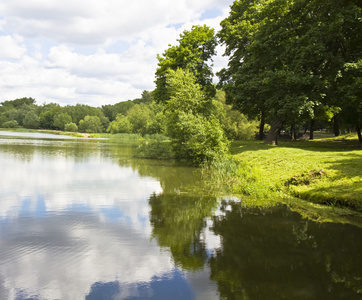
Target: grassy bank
x=325 y=171
x=118 y=136
x=58 y=132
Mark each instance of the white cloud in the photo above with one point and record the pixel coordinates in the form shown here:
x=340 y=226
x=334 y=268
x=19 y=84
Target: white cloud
x=10 y=47
x=91 y=51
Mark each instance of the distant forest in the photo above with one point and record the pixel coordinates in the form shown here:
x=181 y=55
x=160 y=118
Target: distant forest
x=140 y=116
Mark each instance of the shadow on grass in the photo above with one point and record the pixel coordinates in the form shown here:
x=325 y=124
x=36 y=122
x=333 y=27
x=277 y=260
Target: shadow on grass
x=321 y=145
x=243 y=146
x=324 y=145
x=345 y=189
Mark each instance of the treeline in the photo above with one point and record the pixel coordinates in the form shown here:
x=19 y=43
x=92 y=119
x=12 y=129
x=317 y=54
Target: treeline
x=142 y=116
x=24 y=112
x=295 y=62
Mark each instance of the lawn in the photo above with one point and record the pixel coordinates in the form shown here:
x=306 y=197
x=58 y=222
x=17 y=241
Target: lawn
x=323 y=171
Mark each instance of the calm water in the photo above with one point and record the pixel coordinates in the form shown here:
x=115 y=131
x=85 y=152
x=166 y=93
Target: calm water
x=82 y=219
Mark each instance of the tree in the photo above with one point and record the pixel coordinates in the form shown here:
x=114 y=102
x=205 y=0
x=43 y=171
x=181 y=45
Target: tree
x=196 y=134
x=72 y=127
x=195 y=49
x=31 y=120
x=80 y=111
x=46 y=117
x=11 y=124
x=91 y=124
x=140 y=116
x=120 y=125
x=17 y=103
x=349 y=84
x=61 y=119
x=285 y=56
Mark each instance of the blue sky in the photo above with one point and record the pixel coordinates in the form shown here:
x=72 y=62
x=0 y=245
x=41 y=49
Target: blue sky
x=92 y=51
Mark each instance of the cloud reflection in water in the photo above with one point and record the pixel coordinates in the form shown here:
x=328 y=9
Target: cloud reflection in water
x=71 y=228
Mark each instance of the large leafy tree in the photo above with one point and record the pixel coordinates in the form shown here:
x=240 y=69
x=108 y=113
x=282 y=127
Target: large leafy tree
x=194 y=53
x=285 y=55
x=196 y=133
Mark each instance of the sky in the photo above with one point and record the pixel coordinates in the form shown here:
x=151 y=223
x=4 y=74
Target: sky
x=93 y=52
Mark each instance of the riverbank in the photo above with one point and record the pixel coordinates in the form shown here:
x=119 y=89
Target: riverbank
x=324 y=173
x=58 y=132
x=78 y=134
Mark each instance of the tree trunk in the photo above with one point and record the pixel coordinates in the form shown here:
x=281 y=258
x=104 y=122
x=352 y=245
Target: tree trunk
x=292 y=132
x=272 y=137
x=336 y=126
x=311 y=129
x=261 y=127
x=358 y=129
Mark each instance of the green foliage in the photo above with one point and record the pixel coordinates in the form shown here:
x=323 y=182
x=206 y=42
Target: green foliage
x=157 y=147
x=111 y=111
x=349 y=83
x=11 y=124
x=72 y=127
x=285 y=56
x=46 y=118
x=143 y=118
x=61 y=119
x=31 y=120
x=227 y=173
x=235 y=124
x=196 y=138
x=140 y=116
x=196 y=135
x=91 y=124
x=120 y=125
x=3 y=119
x=195 y=49
x=170 y=213
x=17 y=103
x=80 y=111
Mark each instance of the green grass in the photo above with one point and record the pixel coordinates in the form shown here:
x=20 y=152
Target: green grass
x=323 y=171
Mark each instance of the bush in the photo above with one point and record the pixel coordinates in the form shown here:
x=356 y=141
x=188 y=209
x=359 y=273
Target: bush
x=197 y=138
x=120 y=125
x=72 y=127
x=11 y=124
x=157 y=148
x=196 y=134
x=61 y=119
x=91 y=124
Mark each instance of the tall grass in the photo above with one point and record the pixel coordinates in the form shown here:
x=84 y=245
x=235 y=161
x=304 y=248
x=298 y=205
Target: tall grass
x=234 y=176
x=155 y=147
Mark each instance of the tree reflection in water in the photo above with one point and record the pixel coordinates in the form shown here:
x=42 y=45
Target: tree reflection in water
x=266 y=253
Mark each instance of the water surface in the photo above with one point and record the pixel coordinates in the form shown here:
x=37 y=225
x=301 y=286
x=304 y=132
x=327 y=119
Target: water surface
x=83 y=219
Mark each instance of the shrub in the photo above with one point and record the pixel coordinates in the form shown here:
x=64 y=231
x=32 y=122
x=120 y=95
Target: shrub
x=120 y=125
x=157 y=148
x=61 y=119
x=72 y=127
x=91 y=124
x=196 y=138
x=11 y=124
x=196 y=134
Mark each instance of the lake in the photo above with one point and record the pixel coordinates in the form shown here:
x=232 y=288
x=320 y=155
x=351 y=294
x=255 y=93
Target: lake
x=84 y=219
